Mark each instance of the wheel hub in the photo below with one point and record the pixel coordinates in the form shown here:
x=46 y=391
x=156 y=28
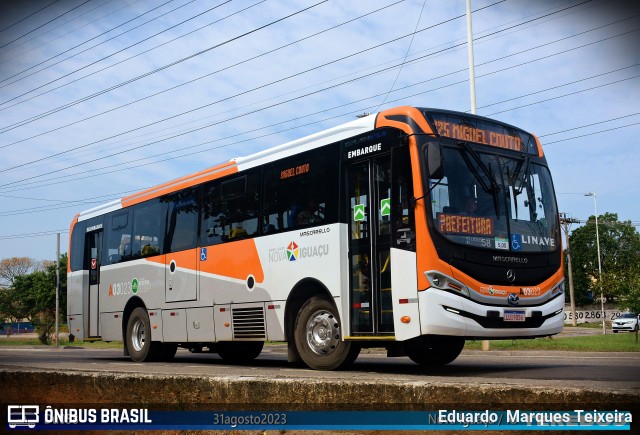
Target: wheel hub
x=323 y=332
x=138 y=335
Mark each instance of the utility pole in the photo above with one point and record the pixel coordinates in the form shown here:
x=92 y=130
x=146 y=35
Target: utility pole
x=486 y=344
x=58 y=292
x=472 y=74
x=566 y=222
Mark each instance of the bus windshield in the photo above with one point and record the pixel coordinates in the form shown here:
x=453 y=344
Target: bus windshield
x=493 y=201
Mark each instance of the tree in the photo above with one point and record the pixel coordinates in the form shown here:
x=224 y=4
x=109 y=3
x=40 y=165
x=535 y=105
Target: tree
x=33 y=297
x=619 y=256
x=11 y=268
x=630 y=298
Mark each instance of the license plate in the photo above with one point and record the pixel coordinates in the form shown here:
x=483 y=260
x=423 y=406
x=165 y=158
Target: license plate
x=514 y=316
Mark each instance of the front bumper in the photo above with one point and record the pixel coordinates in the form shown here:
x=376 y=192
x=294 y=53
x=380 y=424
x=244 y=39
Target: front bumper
x=626 y=327
x=444 y=313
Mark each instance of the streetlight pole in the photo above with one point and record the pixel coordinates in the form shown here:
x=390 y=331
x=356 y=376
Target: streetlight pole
x=486 y=345
x=472 y=74
x=567 y=221
x=595 y=209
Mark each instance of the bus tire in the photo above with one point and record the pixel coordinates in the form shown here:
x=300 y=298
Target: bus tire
x=435 y=350
x=318 y=336
x=139 y=343
x=239 y=351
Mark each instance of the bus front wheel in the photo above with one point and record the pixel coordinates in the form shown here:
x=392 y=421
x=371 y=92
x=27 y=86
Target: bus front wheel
x=318 y=336
x=434 y=350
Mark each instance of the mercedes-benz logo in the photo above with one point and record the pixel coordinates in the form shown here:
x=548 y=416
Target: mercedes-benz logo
x=513 y=299
x=511 y=276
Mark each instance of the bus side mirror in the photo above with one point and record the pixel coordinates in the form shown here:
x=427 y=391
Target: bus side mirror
x=435 y=164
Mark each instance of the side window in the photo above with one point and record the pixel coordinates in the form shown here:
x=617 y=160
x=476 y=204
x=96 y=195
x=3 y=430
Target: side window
x=76 y=260
x=183 y=219
x=231 y=209
x=403 y=228
x=148 y=229
x=212 y=228
x=301 y=191
x=118 y=237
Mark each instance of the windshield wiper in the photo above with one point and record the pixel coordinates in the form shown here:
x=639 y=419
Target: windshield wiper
x=489 y=189
x=493 y=188
x=525 y=175
x=521 y=180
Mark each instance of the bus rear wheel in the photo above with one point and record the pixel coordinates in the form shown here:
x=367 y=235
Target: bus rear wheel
x=138 y=338
x=435 y=350
x=318 y=336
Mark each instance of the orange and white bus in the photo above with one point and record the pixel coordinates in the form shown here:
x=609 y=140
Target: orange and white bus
x=412 y=229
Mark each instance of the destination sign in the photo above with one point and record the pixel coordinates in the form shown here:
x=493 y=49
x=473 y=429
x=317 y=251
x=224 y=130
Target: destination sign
x=482 y=132
x=468 y=225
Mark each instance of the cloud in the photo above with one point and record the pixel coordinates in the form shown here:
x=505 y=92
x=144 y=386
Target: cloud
x=526 y=55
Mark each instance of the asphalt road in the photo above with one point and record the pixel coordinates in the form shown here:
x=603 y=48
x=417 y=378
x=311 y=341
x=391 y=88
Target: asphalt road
x=593 y=370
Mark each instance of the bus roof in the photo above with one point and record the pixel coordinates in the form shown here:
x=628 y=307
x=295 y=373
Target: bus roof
x=324 y=137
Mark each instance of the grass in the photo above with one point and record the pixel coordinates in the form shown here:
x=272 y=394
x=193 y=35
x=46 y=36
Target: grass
x=621 y=342
x=94 y=344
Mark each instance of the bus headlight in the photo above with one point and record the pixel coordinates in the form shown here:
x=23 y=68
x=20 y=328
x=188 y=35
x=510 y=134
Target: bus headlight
x=444 y=282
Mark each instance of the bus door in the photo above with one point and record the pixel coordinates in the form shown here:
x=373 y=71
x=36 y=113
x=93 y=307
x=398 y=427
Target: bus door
x=182 y=261
x=369 y=197
x=93 y=243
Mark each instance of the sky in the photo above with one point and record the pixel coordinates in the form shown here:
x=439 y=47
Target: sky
x=103 y=98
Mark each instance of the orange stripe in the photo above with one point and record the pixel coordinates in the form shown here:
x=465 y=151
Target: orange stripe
x=426 y=255
x=181 y=183
x=236 y=260
x=545 y=286
x=540 y=151
x=73 y=224
x=410 y=112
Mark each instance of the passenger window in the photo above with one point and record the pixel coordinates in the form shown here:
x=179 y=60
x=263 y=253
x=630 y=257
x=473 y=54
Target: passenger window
x=301 y=191
x=231 y=209
x=183 y=219
x=118 y=238
x=149 y=220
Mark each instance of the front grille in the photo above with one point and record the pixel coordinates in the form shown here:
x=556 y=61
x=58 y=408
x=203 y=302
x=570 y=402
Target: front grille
x=248 y=322
x=494 y=322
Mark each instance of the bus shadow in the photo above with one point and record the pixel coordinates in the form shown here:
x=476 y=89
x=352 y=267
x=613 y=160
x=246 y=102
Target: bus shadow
x=365 y=364
x=378 y=364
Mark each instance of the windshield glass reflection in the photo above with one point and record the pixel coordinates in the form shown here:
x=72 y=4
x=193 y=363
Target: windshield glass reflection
x=495 y=202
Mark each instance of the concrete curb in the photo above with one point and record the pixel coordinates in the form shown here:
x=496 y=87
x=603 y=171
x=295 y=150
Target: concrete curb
x=33 y=386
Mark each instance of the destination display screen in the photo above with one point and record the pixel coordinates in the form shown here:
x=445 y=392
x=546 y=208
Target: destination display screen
x=472 y=129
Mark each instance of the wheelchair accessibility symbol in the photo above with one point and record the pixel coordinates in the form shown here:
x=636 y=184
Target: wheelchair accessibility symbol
x=516 y=242
x=203 y=254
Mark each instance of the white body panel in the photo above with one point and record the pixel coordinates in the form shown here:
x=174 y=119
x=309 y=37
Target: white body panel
x=437 y=320
x=111 y=326
x=77 y=303
x=195 y=315
x=182 y=282
x=200 y=326
x=174 y=325
x=405 y=294
x=335 y=134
